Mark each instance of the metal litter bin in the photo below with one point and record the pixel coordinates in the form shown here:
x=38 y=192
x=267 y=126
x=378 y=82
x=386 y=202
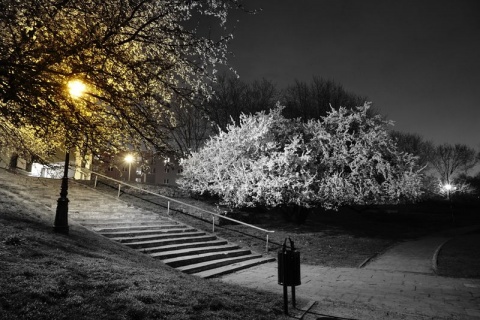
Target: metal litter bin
x=288 y=270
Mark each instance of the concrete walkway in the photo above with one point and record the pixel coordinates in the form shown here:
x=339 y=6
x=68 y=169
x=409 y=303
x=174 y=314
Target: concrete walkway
x=412 y=256
x=417 y=256
x=372 y=294
x=400 y=284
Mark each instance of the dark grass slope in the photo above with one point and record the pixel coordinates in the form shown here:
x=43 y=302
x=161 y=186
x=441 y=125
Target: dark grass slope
x=84 y=276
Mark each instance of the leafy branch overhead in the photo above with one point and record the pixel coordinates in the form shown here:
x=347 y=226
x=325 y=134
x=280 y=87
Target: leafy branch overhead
x=133 y=56
x=346 y=157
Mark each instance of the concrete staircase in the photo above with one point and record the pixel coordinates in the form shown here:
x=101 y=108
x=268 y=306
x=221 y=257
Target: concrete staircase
x=176 y=244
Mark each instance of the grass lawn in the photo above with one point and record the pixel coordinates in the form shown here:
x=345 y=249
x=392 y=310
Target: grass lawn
x=44 y=275
x=460 y=257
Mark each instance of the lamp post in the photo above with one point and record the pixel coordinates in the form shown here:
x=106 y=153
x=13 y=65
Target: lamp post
x=448 y=187
x=129 y=160
x=76 y=89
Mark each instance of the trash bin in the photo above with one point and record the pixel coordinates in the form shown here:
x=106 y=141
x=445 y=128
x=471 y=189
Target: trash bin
x=289 y=265
x=288 y=271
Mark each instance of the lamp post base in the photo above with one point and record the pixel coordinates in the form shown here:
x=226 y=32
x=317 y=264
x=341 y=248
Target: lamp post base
x=62 y=230
x=61 y=216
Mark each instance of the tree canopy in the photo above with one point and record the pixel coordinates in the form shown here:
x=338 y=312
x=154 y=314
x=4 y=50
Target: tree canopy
x=315 y=99
x=346 y=157
x=451 y=160
x=414 y=144
x=132 y=56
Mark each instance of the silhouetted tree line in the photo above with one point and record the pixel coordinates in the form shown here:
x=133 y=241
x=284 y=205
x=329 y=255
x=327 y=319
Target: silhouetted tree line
x=443 y=164
x=315 y=99
x=233 y=97
x=301 y=99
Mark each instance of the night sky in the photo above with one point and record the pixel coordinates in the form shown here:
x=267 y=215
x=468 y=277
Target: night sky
x=418 y=61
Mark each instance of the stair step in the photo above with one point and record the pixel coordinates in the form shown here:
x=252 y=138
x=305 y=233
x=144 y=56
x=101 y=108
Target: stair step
x=116 y=219
x=180 y=246
x=198 y=258
x=202 y=266
x=158 y=236
x=150 y=232
x=212 y=273
x=109 y=211
x=191 y=251
x=91 y=223
x=163 y=242
x=138 y=227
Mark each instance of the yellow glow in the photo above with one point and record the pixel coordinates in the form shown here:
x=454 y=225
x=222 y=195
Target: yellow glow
x=129 y=158
x=76 y=88
x=448 y=187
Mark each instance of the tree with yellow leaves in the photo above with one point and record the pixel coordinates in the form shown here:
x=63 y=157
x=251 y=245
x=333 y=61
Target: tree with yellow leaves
x=131 y=56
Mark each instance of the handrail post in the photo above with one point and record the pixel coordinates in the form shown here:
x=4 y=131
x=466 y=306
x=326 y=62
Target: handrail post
x=96 y=179
x=119 y=188
x=213 y=223
x=266 y=245
x=168 y=207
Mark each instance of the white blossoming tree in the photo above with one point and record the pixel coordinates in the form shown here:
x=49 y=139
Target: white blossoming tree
x=251 y=164
x=267 y=160
x=356 y=161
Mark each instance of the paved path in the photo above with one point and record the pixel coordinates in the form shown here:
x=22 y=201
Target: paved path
x=411 y=256
x=399 y=284
x=417 y=256
x=373 y=294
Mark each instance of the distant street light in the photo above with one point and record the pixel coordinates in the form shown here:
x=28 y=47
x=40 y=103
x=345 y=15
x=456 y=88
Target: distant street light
x=76 y=89
x=129 y=159
x=448 y=187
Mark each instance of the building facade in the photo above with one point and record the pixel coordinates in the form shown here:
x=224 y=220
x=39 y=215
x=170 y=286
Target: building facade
x=145 y=168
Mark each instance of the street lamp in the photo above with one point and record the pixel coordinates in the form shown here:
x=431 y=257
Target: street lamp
x=448 y=187
x=76 y=88
x=129 y=160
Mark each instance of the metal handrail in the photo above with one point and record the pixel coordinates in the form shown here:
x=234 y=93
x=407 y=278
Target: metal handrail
x=213 y=214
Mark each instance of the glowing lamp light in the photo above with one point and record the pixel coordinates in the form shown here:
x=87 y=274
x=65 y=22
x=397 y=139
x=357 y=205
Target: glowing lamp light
x=129 y=158
x=448 y=187
x=76 y=88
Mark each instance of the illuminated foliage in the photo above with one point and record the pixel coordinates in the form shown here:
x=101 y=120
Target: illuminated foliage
x=132 y=56
x=346 y=157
